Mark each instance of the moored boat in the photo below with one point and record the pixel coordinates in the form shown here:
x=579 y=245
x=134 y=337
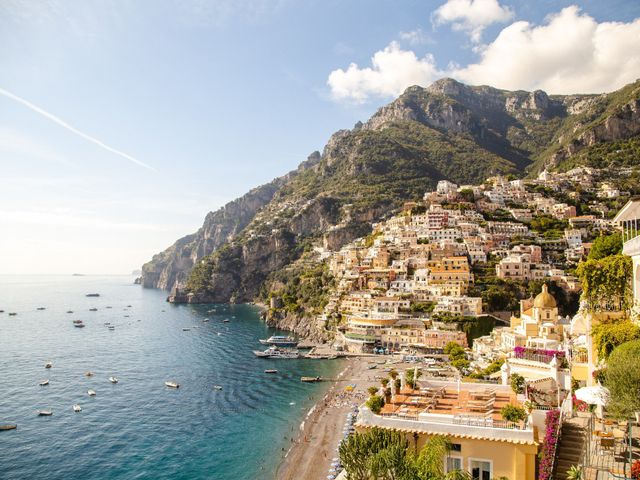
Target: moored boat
x=311 y=379
x=41 y=308
x=280 y=341
x=271 y=370
x=77 y=408
x=171 y=384
x=217 y=387
x=79 y=325
x=91 y=393
x=275 y=352
x=10 y=426
x=92 y=295
x=94 y=309
x=44 y=383
x=113 y=379
x=48 y=365
x=44 y=413
x=88 y=374
x=12 y=314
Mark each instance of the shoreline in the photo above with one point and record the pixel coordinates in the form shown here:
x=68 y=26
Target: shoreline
x=321 y=430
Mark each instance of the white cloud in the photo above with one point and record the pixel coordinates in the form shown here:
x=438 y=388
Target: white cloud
x=472 y=16
x=415 y=37
x=570 y=53
x=392 y=70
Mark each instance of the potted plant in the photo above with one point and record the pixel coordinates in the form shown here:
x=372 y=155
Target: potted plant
x=513 y=413
x=574 y=473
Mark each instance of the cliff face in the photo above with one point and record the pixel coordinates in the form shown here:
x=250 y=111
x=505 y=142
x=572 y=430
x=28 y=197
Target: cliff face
x=447 y=130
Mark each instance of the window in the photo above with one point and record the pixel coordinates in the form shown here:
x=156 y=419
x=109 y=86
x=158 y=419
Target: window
x=453 y=464
x=480 y=469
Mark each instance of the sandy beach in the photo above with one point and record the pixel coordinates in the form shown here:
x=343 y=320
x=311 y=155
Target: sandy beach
x=310 y=456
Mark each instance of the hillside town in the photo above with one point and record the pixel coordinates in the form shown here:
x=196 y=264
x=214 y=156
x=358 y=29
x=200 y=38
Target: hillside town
x=502 y=381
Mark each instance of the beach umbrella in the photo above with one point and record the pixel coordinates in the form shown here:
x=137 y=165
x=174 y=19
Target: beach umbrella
x=332 y=470
x=330 y=477
x=335 y=464
x=597 y=395
x=335 y=459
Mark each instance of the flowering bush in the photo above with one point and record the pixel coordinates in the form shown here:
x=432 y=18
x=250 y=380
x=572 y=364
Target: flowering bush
x=635 y=470
x=523 y=352
x=548 y=451
x=579 y=405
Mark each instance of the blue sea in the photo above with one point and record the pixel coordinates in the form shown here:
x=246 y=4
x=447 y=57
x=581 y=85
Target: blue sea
x=138 y=428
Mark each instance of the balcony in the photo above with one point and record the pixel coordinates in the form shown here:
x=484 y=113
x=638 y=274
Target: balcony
x=631 y=247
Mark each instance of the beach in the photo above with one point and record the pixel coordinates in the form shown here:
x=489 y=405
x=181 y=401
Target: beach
x=312 y=451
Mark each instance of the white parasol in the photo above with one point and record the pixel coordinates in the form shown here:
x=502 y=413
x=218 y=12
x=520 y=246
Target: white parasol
x=597 y=395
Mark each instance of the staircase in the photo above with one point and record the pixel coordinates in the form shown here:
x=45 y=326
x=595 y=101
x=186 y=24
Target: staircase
x=571 y=449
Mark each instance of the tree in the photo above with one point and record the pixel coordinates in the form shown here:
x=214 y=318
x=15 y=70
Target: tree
x=453 y=350
x=517 y=383
x=622 y=378
x=607 y=336
x=409 y=377
x=372 y=390
x=605 y=246
x=513 y=413
x=375 y=403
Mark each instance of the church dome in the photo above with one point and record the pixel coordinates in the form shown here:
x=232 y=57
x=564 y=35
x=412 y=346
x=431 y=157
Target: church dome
x=544 y=299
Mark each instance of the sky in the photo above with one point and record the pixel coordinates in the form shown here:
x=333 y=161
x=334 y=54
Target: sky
x=122 y=122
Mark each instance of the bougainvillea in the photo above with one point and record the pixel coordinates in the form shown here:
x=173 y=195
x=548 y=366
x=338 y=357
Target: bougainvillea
x=548 y=450
x=635 y=470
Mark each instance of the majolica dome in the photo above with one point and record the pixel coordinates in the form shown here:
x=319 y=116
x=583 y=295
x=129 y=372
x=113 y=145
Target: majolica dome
x=544 y=299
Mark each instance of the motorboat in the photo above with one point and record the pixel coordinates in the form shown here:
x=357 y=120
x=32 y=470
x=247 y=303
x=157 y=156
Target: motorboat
x=77 y=322
x=93 y=309
x=113 y=379
x=280 y=341
x=91 y=393
x=172 y=384
x=108 y=306
x=226 y=320
x=128 y=306
x=12 y=314
x=77 y=408
x=11 y=426
x=186 y=329
x=44 y=413
x=44 y=383
x=92 y=295
x=79 y=325
x=275 y=352
x=217 y=387
x=48 y=365
x=41 y=308
x=69 y=311
x=111 y=328
x=310 y=379
x=271 y=370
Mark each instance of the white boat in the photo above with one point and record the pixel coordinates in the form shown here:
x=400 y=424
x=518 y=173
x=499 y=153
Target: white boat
x=275 y=352
x=44 y=413
x=217 y=387
x=280 y=341
x=44 y=383
x=77 y=408
x=172 y=384
x=226 y=320
x=113 y=379
x=48 y=365
x=91 y=393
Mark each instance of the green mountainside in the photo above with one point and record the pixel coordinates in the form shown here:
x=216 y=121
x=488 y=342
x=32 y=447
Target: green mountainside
x=445 y=131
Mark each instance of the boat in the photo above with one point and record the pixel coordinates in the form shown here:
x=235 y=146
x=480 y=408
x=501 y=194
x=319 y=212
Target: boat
x=93 y=309
x=271 y=370
x=92 y=295
x=91 y=393
x=128 y=306
x=79 y=325
x=48 y=365
x=44 y=383
x=69 y=311
x=217 y=387
x=226 y=320
x=41 y=308
x=205 y=320
x=275 y=352
x=77 y=322
x=44 y=413
x=77 y=408
x=280 y=341
x=113 y=379
x=12 y=314
x=111 y=328
x=311 y=379
x=11 y=426
x=172 y=384
x=1 y=311
x=88 y=374
x=186 y=329
x=108 y=306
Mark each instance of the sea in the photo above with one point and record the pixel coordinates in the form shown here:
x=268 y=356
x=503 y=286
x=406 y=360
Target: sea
x=139 y=428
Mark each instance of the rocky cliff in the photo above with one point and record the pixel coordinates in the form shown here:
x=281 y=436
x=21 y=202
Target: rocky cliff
x=447 y=130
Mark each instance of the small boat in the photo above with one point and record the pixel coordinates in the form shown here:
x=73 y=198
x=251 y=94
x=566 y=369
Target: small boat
x=271 y=370
x=92 y=295
x=107 y=323
x=111 y=328
x=48 y=365
x=186 y=329
x=88 y=374
x=113 y=379
x=311 y=379
x=1 y=311
x=126 y=316
x=44 y=413
x=77 y=322
x=217 y=387
x=69 y=311
x=44 y=383
x=93 y=309
x=41 y=308
x=219 y=334
x=226 y=320
x=108 y=306
x=11 y=426
x=275 y=352
x=172 y=384
x=91 y=393
x=77 y=408
x=79 y=325
x=128 y=306
x=12 y=314
x=280 y=341
x=205 y=320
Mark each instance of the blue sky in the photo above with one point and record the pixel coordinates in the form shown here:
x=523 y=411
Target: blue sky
x=219 y=96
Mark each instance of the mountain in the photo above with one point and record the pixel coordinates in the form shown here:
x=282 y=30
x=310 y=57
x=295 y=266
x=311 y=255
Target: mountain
x=445 y=131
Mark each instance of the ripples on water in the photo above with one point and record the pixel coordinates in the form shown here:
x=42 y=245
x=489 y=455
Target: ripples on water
x=139 y=428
